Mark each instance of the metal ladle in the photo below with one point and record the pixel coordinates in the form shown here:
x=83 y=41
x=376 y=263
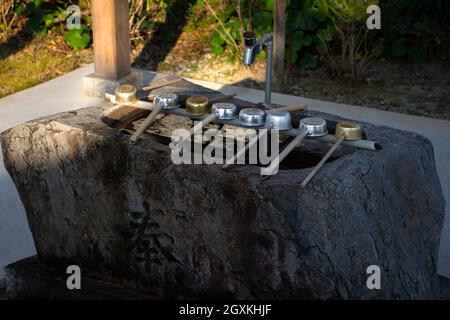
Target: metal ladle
x=200 y=110
x=199 y=106
x=311 y=127
x=344 y=131
x=162 y=101
x=282 y=111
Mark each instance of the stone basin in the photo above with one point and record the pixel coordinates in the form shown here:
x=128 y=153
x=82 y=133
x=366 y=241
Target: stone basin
x=125 y=213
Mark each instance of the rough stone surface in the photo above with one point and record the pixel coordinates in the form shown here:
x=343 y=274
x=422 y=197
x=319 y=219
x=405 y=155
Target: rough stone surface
x=2 y=289
x=126 y=211
x=445 y=287
x=30 y=279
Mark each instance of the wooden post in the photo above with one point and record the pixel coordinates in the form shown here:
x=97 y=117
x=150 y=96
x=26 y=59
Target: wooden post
x=279 y=43
x=111 y=38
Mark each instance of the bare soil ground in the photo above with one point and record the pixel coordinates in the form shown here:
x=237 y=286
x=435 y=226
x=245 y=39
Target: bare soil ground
x=416 y=89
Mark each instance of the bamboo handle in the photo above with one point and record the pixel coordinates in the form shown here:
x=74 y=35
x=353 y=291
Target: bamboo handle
x=132 y=117
x=145 y=124
x=242 y=151
x=157 y=85
x=202 y=123
x=230 y=95
x=293 y=108
x=322 y=162
x=199 y=125
x=284 y=153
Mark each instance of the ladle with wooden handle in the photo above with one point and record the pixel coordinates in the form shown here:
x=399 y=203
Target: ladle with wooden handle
x=293 y=108
x=200 y=105
x=129 y=108
x=210 y=118
x=281 y=112
x=312 y=127
x=199 y=111
x=162 y=101
x=222 y=111
x=344 y=131
x=242 y=151
x=157 y=85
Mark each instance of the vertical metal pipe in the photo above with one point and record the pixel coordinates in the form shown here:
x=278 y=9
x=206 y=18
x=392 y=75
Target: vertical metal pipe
x=269 y=72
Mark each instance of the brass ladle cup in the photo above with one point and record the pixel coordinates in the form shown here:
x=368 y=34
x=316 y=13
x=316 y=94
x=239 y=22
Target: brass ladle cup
x=344 y=131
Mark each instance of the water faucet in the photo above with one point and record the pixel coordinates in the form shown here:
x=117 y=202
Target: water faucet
x=251 y=49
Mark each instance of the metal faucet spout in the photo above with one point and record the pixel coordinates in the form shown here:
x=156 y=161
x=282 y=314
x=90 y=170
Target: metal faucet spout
x=252 y=48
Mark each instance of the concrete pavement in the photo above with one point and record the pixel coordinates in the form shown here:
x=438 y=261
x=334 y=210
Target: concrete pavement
x=65 y=93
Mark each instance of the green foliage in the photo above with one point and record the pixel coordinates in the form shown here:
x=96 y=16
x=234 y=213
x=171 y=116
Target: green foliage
x=414 y=29
x=398 y=48
x=78 y=38
x=217 y=44
x=52 y=15
x=304 y=28
x=309 y=24
x=43 y=16
x=334 y=30
x=308 y=61
x=262 y=22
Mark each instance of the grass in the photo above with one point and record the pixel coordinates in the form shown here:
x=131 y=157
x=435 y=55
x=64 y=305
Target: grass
x=38 y=62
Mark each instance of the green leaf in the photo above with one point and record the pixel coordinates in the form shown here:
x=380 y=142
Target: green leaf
x=321 y=45
x=300 y=40
x=43 y=32
x=317 y=14
x=34 y=23
x=62 y=15
x=217 y=40
x=262 y=22
x=308 y=61
x=262 y=55
x=270 y=5
x=297 y=40
x=307 y=22
x=48 y=19
x=217 y=50
x=216 y=44
x=37 y=3
x=229 y=48
x=307 y=40
x=325 y=34
x=398 y=48
x=223 y=16
x=417 y=55
x=294 y=57
x=401 y=27
x=78 y=38
x=292 y=21
x=20 y=9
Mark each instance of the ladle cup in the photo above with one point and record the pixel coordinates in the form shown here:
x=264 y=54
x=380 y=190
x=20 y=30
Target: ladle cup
x=276 y=119
x=197 y=109
x=162 y=101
